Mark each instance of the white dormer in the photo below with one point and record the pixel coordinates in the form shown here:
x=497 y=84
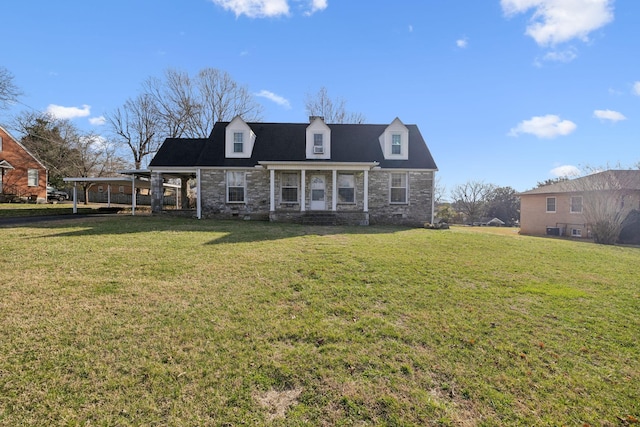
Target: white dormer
x=239 y=139
x=318 y=139
x=395 y=141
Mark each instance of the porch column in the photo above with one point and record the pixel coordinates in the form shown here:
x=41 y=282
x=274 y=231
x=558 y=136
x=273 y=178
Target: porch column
x=272 y=190
x=365 y=202
x=198 y=194
x=334 y=190
x=303 y=190
x=108 y=195
x=157 y=191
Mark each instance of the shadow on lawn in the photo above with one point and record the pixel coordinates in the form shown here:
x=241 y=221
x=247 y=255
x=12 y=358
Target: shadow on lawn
x=226 y=231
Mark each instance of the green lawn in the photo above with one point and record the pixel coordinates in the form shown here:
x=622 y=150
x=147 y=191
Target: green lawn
x=160 y=321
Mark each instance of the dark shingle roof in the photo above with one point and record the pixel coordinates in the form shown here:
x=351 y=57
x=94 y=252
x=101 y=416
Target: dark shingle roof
x=287 y=142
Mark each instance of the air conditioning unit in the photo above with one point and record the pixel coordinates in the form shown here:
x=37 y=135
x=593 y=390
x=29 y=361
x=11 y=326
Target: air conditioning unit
x=318 y=149
x=553 y=231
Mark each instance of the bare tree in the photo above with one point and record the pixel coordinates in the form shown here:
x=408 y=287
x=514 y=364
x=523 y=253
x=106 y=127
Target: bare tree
x=333 y=111
x=9 y=92
x=470 y=198
x=136 y=125
x=607 y=200
x=189 y=107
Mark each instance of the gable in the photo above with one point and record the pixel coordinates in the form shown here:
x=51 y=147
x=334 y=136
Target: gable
x=394 y=141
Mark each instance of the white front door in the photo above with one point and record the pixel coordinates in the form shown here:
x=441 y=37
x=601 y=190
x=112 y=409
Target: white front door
x=318 y=202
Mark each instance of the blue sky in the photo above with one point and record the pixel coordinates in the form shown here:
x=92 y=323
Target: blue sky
x=509 y=92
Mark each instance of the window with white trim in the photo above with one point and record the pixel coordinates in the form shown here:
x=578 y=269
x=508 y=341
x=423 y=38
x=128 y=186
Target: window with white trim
x=576 y=204
x=121 y=189
x=396 y=143
x=318 y=143
x=551 y=204
x=289 y=187
x=238 y=142
x=0 y=143
x=236 y=184
x=32 y=177
x=346 y=188
x=398 y=188
x=576 y=232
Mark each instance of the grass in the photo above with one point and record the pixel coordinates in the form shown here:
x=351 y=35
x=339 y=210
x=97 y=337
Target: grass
x=161 y=321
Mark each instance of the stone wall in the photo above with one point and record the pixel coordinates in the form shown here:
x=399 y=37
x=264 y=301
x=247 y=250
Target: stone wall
x=415 y=212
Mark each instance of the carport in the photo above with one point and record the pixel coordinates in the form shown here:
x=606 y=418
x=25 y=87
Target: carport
x=137 y=180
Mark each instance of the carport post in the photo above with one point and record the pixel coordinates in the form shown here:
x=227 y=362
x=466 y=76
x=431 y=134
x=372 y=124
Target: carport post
x=75 y=197
x=108 y=195
x=133 y=194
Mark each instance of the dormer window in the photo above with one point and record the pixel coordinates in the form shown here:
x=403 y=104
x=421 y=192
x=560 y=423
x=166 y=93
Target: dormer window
x=238 y=142
x=318 y=139
x=396 y=144
x=318 y=143
x=239 y=139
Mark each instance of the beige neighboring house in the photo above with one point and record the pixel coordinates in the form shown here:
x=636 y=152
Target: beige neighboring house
x=557 y=209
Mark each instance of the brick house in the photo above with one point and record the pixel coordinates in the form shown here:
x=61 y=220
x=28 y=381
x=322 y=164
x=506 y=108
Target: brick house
x=349 y=173
x=557 y=209
x=23 y=176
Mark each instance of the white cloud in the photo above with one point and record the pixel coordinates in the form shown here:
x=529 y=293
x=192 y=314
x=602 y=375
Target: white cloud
x=98 y=121
x=462 y=43
x=255 y=8
x=268 y=8
x=566 y=55
x=565 y=171
x=558 y=21
x=283 y=102
x=317 y=6
x=611 y=115
x=61 y=112
x=636 y=88
x=548 y=126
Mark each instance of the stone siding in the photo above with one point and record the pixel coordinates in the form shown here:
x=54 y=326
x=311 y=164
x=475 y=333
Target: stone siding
x=416 y=212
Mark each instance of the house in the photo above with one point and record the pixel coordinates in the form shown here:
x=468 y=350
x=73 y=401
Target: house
x=24 y=177
x=559 y=209
x=347 y=173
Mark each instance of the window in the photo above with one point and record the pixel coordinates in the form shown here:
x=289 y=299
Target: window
x=121 y=189
x=318 y=144
x=576 y=204
x=289 y=187
x=551 y=204
x=238 y=142
x=32 y=177
x=346 y=188
x=396 y=144
x=576 y=232
x=0 y=143
x=398 y=188
x=235 y=187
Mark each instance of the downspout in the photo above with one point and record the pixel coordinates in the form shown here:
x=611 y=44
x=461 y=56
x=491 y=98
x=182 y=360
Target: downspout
x=198 y=195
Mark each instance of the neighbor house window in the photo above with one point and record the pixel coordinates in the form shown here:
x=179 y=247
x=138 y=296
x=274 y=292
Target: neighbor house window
x=0 y=143
x=238 y=142
x=289 y=187
x=396 y=144
x=551 y=204
x=398 y=188
x=236 y=187
x=32 y=177
x=318 y=144
x=346 y=188
x=576 y=204
x=576 y=232
x=121 y=189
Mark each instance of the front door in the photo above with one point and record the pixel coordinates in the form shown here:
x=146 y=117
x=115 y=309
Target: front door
x=318 y=202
